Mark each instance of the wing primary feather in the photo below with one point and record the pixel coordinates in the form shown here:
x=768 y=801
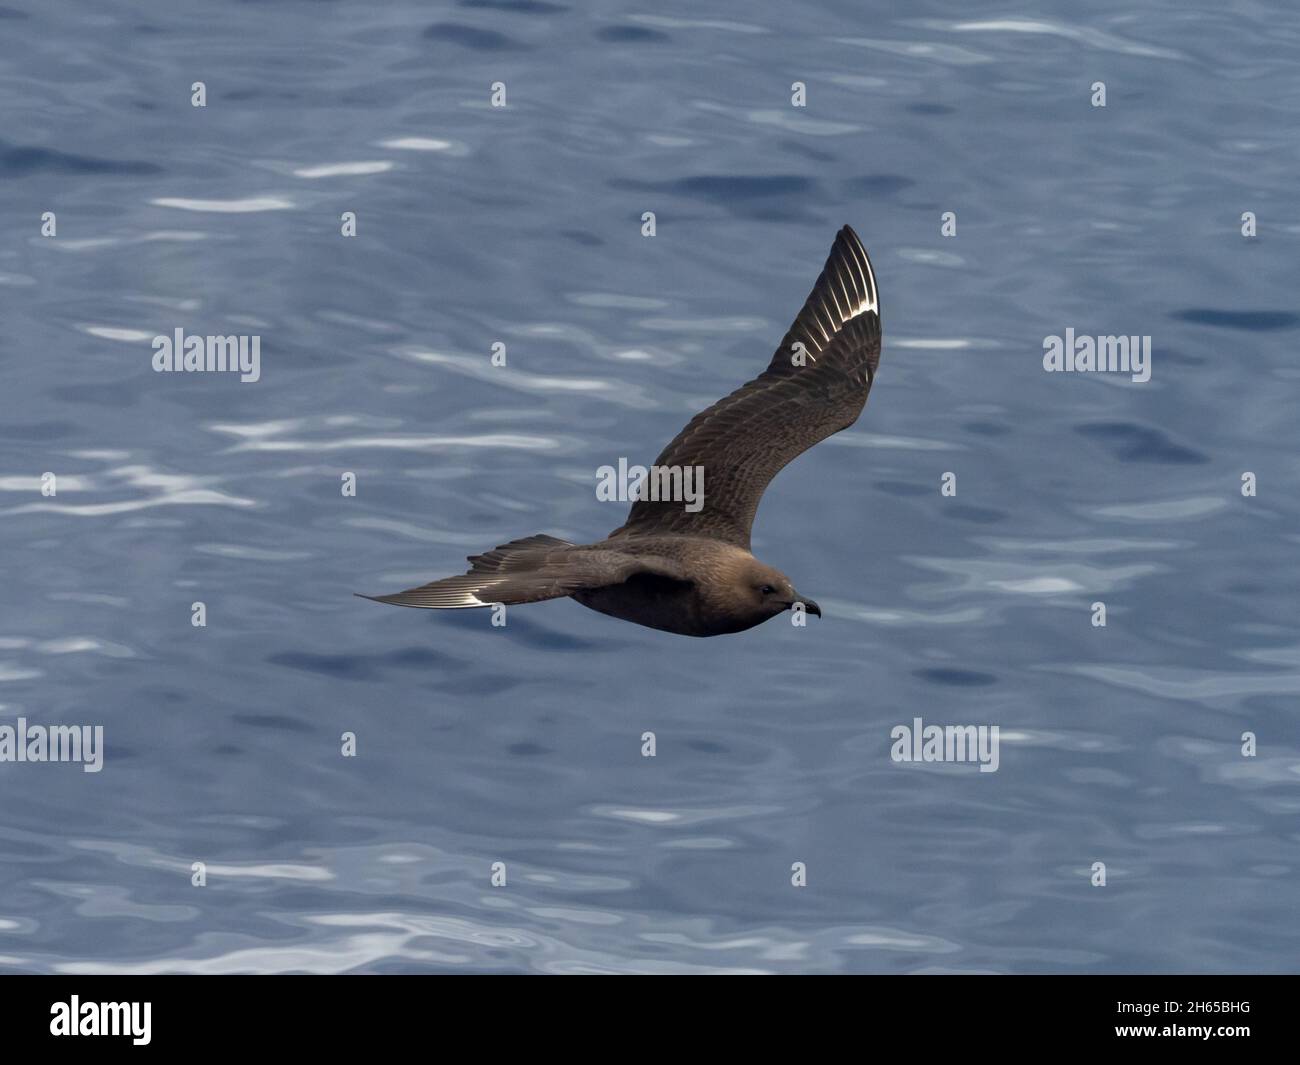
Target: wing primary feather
x=746 y=438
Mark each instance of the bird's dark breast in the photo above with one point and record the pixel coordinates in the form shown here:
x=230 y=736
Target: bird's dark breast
x=670 y=606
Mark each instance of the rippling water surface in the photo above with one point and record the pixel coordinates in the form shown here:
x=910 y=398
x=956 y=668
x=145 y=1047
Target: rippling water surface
x=522 y=745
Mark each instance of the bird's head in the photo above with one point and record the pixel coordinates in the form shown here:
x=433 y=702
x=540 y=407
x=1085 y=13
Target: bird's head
x=768 y=591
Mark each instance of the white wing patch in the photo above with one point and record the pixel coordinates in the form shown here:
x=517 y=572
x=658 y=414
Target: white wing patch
x=864 y=283
x=846 y=289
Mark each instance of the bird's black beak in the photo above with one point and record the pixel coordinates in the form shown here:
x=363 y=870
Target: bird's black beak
x=809 y=607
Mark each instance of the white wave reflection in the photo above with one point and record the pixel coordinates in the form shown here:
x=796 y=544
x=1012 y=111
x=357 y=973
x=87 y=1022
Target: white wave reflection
x=109 y=332
x=148 y=857
x=413 y=532
x=358 y=169
x=1189 y=685
x=429 y=940
x=68 y=645
x=698 y=843
x=269 y=436
x=544 y=923
x=670 y=23
x=112 y=901
x=1164 y=510
x=891 y=939
x=96 y=243
x=249 y=205
x=948 y=54
x=67 y=482
x=407 y=442
x=930 y=257
x=685 y=816
x=704 y=325
x=941 y=343
x=616 y=301
x=798 y=122
x=899 y=443
x=1099 y=546
x=425 y=144
x=91 y=598
x=976 y=577
x=789 y=120
x=169 y=489
x=251 y=554
x=478 y=366
x=1267 y=781
x=1094 y=38
x=891 y=615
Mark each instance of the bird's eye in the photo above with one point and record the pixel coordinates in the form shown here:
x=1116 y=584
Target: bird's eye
x=767 y=589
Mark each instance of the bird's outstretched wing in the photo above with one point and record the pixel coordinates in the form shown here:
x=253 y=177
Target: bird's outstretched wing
x=815 y=385
x=528 y=571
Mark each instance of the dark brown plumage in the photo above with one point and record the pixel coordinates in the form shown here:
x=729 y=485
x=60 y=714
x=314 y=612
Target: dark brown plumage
x=692 y=572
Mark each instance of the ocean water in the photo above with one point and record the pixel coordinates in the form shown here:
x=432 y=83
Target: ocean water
x=522 y=745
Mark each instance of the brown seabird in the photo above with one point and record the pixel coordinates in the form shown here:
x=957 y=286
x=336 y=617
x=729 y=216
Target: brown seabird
x=691 y=571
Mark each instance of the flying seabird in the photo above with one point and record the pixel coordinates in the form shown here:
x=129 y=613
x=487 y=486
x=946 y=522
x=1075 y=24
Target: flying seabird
x=691 y=571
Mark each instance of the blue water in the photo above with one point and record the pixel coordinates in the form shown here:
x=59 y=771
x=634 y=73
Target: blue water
x=522 y=744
